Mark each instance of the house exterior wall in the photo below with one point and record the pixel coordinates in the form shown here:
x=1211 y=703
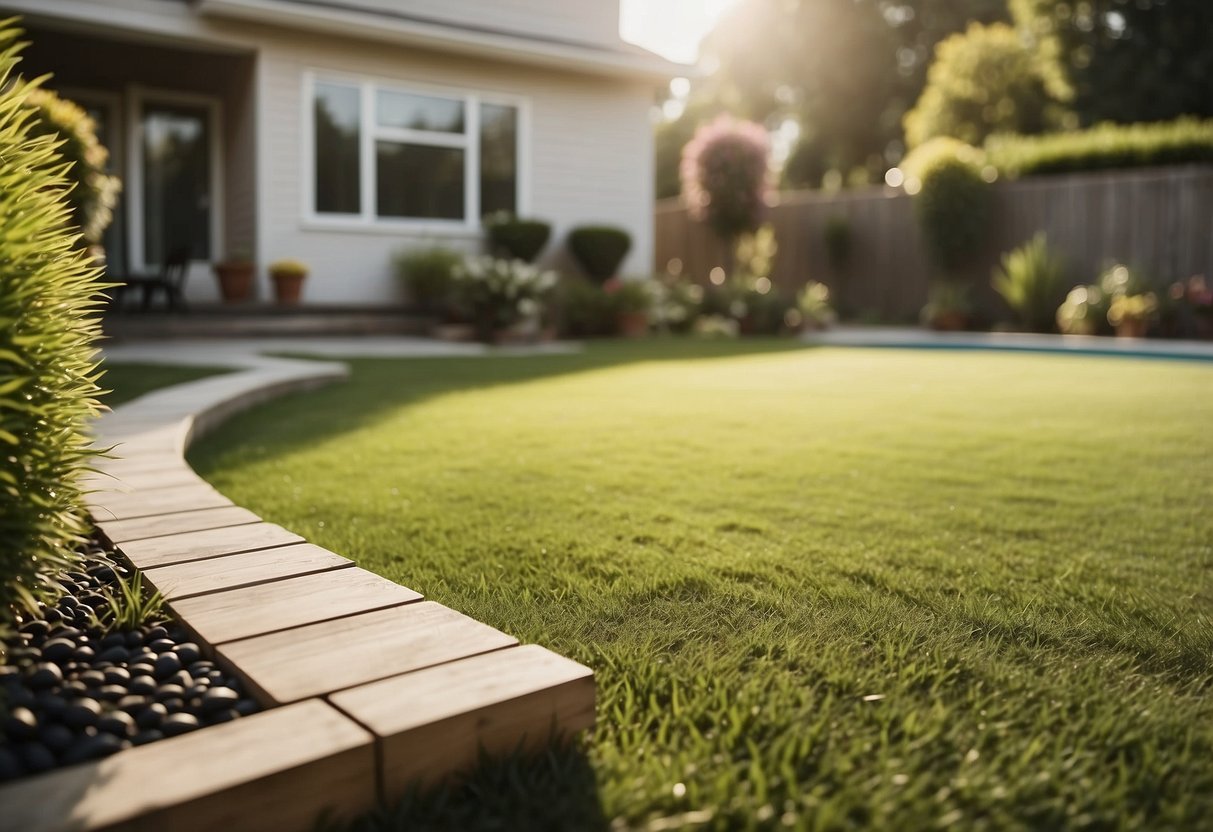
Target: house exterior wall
x=585 y=21
x=588 y=153
x=589 y=158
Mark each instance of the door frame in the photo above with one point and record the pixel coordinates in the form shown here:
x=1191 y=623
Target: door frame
x=136 y=98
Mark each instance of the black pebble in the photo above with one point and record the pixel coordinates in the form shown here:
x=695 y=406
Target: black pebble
x=118 y=723
x=182 y=678
x=84 y=653
x=10 y=764
x=218 y=699
x=92 y=678
x=81 y=712
x=188 y=653
x=45 y=676
x=35 y=628
x=166 y=665
x=21 y=724
x=58 y=738
x=20 y=697
x=176 y=724
x=161 y=645
x=133 y=639
x=36 y=756
x=221 y=716
x=117 y=653
x=117 y=676
x=150 y=735
x=113 y=640
x=51 y=704
x=144 y=685
x=246 y=706
x=58 y=650
x=169 y=691
x=111 y=693
x=132 y=703
x=151 y=716
x=91 y=748
x=154 y=633
x=174 y=704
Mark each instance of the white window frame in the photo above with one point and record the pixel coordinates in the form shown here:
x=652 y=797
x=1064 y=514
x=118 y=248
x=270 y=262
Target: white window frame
x=370 y=131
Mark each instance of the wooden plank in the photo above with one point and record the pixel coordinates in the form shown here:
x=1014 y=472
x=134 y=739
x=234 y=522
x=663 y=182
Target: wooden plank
x=278 y=769
x=327 y=657
x=291 y=602
x=198 y=577
x=122 y=531
x=177 y=548
x=114 y=505
x=434 y=722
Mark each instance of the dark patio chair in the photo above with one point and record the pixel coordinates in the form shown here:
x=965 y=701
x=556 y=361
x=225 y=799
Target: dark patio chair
x=170 y=280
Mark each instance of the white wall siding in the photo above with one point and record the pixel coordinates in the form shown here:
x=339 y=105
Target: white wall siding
x=590 y=158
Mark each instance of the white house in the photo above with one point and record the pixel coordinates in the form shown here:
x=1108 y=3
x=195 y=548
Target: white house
x=341 y=132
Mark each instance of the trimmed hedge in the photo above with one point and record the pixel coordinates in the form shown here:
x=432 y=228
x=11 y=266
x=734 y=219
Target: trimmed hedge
x=428 y=276
x=954 y=201
x=516 y=239
x=49 y=294
x=599 y=250
x=1104 y=147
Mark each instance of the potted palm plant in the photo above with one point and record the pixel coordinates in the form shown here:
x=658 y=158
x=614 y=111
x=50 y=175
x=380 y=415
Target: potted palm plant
x=288 y=276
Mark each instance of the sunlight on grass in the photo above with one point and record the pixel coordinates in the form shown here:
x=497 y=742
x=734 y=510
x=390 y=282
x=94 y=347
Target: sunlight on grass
x=837 y=588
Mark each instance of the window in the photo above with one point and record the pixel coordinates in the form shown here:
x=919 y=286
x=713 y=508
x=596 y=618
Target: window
x=386 y=154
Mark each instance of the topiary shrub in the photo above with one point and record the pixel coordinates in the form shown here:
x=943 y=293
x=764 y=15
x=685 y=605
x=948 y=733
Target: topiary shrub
x=515 y=239
x=952 y=200
x=725 y=175
x=599 y=250
x=48 y=362
x=428 y=276
x=93 y=191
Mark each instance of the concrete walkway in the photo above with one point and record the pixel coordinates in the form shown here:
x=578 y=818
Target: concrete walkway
x=915 y=338
x=257 y=353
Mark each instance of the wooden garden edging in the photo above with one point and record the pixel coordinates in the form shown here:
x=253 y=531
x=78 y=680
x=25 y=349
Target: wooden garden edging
x=368 y=687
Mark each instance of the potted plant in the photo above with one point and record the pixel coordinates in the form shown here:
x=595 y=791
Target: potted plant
x=1131 y=315
x=235 y=275
x=813 y=306
x=288 y=276
x=632 y=300
x=948 y=307
x=500 y=295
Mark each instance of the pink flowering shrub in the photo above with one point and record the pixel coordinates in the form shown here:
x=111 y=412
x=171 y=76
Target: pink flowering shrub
x=725 y=175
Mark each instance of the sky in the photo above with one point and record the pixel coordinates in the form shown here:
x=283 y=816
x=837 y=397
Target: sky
x=672 y=28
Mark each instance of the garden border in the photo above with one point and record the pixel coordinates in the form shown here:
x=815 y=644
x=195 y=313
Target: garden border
x=330 y=649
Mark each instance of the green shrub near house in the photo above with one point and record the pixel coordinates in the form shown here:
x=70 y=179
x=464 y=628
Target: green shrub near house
x=1032 y=281
x=428 y=277
x=516 y=239
x=599 y=250
x=953 y=200
x=48 y=360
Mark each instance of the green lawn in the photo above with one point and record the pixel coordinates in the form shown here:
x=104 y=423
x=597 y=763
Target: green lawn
x=821 y=588
x=130 y=381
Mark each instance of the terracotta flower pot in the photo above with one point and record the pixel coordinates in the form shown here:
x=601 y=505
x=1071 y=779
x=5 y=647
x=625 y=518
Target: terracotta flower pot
x=288 y=286
x=235 y=281
x=633 y=324
x=949 y=322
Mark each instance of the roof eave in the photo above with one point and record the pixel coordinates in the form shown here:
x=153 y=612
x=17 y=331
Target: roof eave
x=515 y=49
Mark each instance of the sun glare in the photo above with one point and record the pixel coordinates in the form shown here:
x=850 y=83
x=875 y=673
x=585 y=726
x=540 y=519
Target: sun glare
x=671 y=28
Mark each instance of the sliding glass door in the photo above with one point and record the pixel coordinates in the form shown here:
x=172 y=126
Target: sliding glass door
x=177 y=180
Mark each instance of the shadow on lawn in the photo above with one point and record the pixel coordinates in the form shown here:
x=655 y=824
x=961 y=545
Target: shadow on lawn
x=380 y=385
x=555 y=790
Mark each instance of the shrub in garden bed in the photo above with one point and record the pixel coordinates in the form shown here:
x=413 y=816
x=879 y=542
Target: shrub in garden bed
x=1032 y=281
x=599 y=250
x=428 y=276
x=953 y=201
x=516 y=239
x=49 y=296
x=500 y=294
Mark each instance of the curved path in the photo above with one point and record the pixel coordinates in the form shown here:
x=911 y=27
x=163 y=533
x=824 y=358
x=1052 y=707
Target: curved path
x=368 y=688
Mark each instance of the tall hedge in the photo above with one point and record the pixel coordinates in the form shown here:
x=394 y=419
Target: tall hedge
x=49 y=293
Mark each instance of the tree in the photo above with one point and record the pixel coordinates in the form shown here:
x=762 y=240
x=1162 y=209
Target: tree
x=1127 y=60
x=987 y=80
x=724 y=176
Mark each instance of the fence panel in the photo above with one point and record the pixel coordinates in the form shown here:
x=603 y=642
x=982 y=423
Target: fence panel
x=1159 y=220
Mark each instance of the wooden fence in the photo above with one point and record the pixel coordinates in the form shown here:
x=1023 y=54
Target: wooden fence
x=1159 y=220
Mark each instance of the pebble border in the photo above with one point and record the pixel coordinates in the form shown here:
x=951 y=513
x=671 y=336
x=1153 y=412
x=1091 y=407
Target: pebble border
x=411 y=691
